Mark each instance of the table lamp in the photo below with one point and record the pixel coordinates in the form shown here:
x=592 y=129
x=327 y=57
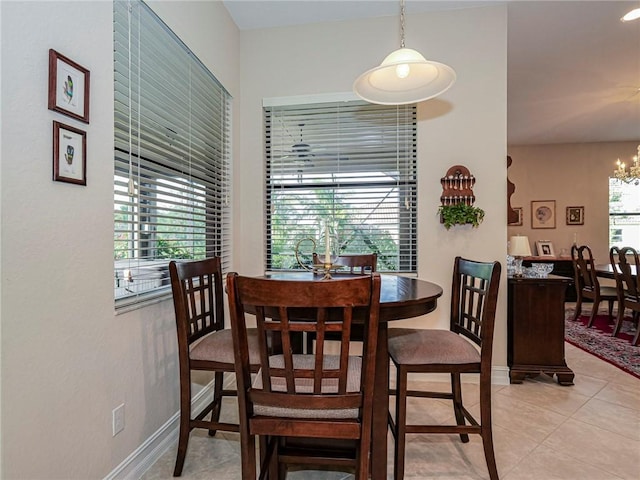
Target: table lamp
x=518 y=249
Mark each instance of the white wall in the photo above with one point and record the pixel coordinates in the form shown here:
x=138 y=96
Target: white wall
x=67 y=360
x=466 y=125
x=572 y=175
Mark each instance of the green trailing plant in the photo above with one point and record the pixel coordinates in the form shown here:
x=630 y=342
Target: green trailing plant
x=460 y=214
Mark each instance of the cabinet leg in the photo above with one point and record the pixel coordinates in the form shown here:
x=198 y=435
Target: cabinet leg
x=565 y=379
x=516 y=377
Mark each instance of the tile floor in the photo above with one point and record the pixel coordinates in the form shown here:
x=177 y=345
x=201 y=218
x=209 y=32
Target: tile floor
x=542 y=431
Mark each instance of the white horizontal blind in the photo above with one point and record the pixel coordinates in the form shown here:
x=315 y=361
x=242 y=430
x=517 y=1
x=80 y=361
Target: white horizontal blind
x=353 y=163
x=172 y=159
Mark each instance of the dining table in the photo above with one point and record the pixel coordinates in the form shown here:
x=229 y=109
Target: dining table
x=605 y=270
x=401 y=297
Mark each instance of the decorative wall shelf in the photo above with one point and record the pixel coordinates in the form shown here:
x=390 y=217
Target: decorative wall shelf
x=457 y=199
x=457 y=186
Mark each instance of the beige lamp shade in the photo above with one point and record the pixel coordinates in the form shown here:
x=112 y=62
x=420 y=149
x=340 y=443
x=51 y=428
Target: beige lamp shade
x=519 y=246
x=404 y=76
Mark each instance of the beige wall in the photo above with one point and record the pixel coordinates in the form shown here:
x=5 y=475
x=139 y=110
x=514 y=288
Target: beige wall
x=572 y=175
x=67 y=360
x=466 y=125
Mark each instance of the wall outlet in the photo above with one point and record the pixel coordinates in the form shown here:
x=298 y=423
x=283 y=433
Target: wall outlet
x=118 y=419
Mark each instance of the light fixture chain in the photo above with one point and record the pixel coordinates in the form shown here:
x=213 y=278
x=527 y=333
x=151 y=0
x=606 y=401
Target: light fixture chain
x=401 y=23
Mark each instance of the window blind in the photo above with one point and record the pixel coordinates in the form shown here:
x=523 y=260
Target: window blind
x=352 y=163
x=172 y=156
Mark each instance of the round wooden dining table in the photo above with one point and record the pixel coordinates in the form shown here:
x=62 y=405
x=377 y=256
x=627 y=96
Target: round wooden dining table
x=400 y=298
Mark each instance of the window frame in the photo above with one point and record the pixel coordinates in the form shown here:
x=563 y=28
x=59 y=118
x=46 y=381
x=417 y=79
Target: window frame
x=403 y=157
x=172 y=157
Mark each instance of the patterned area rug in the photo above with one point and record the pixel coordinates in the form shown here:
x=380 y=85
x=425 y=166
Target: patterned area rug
x=598 y=341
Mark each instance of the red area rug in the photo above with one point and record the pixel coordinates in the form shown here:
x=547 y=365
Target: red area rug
x=598 y=341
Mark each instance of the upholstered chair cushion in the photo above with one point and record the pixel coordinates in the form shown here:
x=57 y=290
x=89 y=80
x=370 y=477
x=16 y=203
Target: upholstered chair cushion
x=305 y=385
x=218 y=347
x=409 y=346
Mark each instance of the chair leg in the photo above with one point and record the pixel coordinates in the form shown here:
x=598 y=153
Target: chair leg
x=456 y=389
x=401 y=422
x=578 y=311
x=362 y=463
x=594 y=312
x=185 y=427
x=618 y=325
x=248 y=455
x=611 y=310
x=218 y=385
x=485 y=422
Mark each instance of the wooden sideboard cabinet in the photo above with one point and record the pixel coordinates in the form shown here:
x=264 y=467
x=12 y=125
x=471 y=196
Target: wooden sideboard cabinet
x=535 y=328
x=562 y=267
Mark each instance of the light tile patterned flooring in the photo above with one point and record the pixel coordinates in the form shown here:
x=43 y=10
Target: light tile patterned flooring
x=542 y=431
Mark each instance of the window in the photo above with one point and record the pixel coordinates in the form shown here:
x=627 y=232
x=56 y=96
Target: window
x=172 y=162
x=624 y=214
x=353 y=163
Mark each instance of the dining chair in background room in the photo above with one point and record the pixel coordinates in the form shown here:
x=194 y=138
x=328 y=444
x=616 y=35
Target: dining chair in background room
x=297 y=399
x=474 y=296
x=359 y=263
x=203 y=344
x=625 y=274
x=354 y=264
x=587 y=284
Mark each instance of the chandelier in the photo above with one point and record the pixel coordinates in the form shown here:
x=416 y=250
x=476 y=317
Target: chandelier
x=630 y=174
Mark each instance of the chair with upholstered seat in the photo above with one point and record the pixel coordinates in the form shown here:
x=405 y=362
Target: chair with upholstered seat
x=358 y=264
x=626 y=275
x=299 y=398
x=473 y=307
x=587 y=284
x=352 y=264
x=203 y=344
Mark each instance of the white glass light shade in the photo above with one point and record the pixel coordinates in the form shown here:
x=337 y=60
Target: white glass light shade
x=404 y=76
x=519 y=246
x=632 y=15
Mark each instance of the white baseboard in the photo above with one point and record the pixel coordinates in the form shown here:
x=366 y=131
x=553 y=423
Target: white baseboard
x=143 y=457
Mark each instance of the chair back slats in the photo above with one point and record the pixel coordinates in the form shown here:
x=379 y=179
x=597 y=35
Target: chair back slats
x=474 y=298
x=584 y=269
x=289 y=379
x=198 y=297
x=360 y=264
x=622 y=260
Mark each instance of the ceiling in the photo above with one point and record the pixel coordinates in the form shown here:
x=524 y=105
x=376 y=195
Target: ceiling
x=573 y=66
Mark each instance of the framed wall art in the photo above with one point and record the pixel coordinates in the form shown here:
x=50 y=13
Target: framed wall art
x=543 y=214
x=544 y=248
x=518 y=222
x=68 y=87
x=69 y=154
x=575 y=215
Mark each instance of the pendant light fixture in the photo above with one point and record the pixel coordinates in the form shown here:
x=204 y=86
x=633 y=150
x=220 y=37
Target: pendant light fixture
x=632 y=15
x=404 y=76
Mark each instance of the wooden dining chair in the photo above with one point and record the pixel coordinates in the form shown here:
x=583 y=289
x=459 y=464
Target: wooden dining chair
x=304 y=396
x=587 y=284
x=203 y=344
x=473 y=308
x=354 y=264
x=359 y=264
x=625 y=274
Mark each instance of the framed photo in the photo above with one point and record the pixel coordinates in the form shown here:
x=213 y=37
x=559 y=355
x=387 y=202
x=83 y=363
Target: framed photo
x=68 y=87
x=575 y=215
x=69 y=154
x=518 y=222
x=543 y=214
x=545 y=248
